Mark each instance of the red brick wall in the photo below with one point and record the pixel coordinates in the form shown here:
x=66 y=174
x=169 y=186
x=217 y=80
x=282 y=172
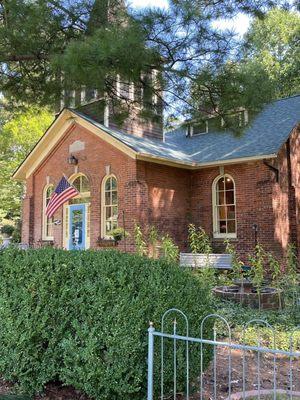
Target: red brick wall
x=170 y=198
x=92 y=162
x=259 y=200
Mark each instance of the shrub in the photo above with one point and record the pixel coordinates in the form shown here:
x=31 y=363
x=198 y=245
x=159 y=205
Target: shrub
x=7 y=230
x=82 y=318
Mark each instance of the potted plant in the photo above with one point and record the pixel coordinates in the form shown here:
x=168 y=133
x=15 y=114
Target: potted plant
x=6 y=232
x=118 y=234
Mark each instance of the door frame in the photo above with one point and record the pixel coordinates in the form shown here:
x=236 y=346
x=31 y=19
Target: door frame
x=67 y=225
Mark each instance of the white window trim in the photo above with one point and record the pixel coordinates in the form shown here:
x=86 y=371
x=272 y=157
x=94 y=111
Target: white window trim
x=103 y=220
x=45 y=218
x=216 y=234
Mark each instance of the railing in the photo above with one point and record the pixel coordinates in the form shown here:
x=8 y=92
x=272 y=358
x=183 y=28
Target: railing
x=291 y=355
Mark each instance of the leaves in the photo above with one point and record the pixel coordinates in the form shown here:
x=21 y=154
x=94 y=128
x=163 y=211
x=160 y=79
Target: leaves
x=18 y=134
x=82 y=318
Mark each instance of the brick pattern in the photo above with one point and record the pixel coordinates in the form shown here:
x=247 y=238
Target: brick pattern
x=170 y=198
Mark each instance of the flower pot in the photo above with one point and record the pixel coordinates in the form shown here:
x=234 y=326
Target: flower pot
x=6 y=241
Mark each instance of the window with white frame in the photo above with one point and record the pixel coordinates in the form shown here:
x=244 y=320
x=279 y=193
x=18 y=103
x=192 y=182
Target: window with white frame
x=47 y=222
x=109 y=205
x=224 y=207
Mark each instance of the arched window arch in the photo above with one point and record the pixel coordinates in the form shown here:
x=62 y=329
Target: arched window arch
x=47 y=222
x=224 y=207
x=109 y=220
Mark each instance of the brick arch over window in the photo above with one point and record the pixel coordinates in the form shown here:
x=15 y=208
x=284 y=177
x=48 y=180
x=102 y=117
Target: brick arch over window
x=109 y=205
x=224 y=207
x=47 y=228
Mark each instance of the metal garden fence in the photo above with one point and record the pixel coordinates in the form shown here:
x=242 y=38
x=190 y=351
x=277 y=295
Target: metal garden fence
x=209 y=390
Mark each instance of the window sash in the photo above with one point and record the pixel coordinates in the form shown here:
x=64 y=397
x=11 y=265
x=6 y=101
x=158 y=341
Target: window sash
x=224 y=207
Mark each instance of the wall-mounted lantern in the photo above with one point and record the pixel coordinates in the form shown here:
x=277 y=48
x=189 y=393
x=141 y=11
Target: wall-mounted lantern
x=72 y=160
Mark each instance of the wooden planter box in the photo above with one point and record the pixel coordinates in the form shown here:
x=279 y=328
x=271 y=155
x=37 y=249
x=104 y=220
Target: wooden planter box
x=219 y=261
x=106 y=243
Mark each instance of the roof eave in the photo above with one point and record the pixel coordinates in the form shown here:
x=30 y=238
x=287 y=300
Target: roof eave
x=194 y=165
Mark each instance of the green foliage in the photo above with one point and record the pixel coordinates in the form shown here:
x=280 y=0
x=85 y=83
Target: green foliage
x=283 y=321
x=153 y=239
x=48 y=46
x=275 y=270
x=291 y=271
x=170 y=250
x=272 y=44
x=18 y=135
x=140 y=244
x=237 y=264
x=257 y=261
x=118 y=234
x=7 y=230
x=153 y=235
x=82 y=318
x=199 y=240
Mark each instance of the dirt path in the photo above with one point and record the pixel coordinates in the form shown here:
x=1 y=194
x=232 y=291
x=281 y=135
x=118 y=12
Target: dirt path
x=251 y=373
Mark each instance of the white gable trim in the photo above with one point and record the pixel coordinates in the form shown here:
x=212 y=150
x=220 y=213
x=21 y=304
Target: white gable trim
x=54 y=134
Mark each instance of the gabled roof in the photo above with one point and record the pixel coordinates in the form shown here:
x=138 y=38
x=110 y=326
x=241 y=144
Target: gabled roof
x=262 y=139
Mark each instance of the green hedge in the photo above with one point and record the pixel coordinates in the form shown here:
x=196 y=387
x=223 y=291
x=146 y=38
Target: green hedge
x=82 y=318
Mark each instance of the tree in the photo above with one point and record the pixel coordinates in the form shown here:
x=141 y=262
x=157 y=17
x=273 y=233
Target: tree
x=49 y=46
x=18 y=134
x=273 y=44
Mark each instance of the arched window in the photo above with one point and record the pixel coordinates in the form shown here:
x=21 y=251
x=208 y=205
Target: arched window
x=109 y=205
x=47 y=222
x=224 y=207
x=82 y=184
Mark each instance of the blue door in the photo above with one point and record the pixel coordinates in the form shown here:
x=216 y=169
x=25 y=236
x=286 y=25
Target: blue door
x=77 y=227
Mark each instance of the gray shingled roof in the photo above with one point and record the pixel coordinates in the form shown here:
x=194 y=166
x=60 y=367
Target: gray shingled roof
x=265 y=135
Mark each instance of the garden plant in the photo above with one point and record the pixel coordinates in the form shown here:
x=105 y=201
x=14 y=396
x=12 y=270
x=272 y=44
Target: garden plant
x=81 y=318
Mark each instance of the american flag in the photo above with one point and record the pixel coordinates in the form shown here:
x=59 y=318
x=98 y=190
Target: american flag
x=64 y=192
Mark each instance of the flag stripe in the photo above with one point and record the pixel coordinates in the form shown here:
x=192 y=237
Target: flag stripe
x=64 y=192
x=57 y=197
x=61 y=199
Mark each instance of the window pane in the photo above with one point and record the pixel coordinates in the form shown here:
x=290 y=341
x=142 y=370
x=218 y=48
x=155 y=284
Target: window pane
x=222 y=226
x=108 y=184
x=107 y=198
x=231 y=212
x=114 y=198
x=229 y=183
x=230 y=197
x=222 y=212
x=76 y=183
x=108 y=212
x=220 y=184
x=115 y=212
x=221 y=198
x=108 y=226
x=113 y=183
x=231 y=226
x=85 y=186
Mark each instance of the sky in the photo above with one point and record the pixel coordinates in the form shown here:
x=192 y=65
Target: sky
x=240 y=23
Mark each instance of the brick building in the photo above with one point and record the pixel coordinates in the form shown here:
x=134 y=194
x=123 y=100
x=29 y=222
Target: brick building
x=245 y=188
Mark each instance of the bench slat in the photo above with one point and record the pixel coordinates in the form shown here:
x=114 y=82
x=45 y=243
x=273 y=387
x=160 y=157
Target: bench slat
x=220 y=261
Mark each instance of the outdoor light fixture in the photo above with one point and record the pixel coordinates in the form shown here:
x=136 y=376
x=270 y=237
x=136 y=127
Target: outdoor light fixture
x=72 y=160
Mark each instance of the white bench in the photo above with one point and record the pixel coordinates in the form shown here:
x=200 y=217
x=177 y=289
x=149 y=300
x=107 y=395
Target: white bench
x=219 y=261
